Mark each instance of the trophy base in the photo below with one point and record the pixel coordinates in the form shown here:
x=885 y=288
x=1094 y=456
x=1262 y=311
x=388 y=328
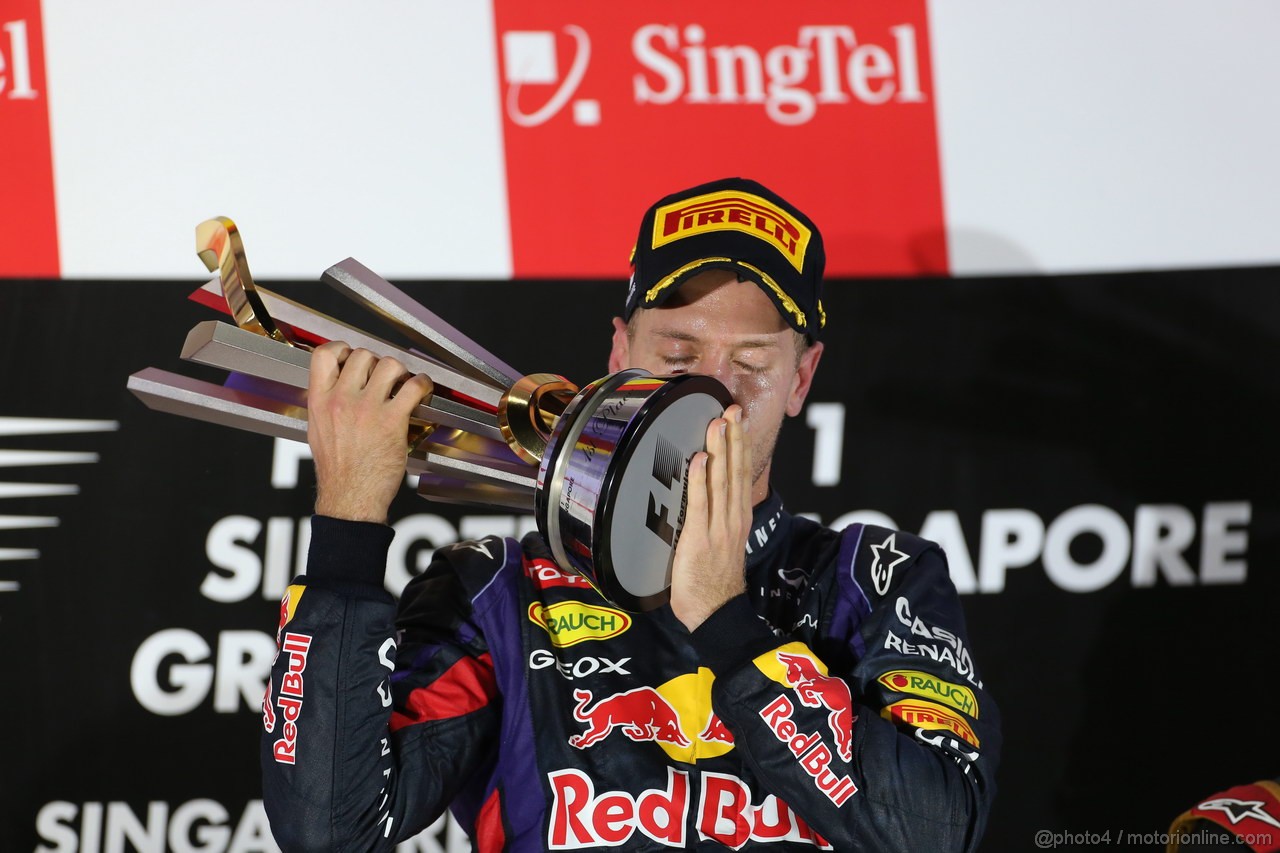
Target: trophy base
x=612 y=487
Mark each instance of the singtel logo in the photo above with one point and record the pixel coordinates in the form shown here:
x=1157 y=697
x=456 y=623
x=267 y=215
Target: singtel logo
x=826 y=65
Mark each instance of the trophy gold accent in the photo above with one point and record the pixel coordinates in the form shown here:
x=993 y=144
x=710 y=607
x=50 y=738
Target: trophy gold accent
x=602 y=469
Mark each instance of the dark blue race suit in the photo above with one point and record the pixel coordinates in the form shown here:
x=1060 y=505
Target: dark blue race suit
x=835 y=705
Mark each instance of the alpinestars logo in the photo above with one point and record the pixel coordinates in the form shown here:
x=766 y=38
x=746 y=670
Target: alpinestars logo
x=1238 y=810
x=887 y=558
x=38 y=458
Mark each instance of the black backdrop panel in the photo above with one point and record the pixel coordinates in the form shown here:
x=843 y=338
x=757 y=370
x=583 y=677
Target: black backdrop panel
x=1096 y=454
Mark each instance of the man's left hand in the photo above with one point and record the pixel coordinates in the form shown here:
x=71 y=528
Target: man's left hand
x=711 y=554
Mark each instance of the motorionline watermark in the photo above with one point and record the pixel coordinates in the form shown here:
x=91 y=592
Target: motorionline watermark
x=1047 y=839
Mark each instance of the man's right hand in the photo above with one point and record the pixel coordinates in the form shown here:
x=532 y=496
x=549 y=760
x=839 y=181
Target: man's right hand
x=358 y=431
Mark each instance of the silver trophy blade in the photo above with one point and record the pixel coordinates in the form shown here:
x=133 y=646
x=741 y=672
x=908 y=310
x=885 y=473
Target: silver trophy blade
x=451 y=475
x=478 y=446
x=450 y=462
x=258 y=410
x=231 y=348
x=195 y=398
x=321 y=325
x=435 y=487
x=373 y=292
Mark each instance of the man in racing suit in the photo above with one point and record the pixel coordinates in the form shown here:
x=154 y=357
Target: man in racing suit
x=822 y=695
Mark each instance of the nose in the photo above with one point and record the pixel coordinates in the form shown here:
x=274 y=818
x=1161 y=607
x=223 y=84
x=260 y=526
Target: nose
x=720 y=366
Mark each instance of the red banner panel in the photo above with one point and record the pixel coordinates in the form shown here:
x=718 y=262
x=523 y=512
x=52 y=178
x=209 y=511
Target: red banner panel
x=607 y=106
x=28 y=230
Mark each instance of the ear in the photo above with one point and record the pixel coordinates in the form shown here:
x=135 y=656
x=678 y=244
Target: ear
x=620 y=352
x=803 y=380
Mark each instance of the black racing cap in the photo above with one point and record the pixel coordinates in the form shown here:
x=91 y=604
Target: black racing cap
x=732 y=224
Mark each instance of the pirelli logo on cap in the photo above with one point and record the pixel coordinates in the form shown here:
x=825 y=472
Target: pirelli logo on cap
x=732 y=210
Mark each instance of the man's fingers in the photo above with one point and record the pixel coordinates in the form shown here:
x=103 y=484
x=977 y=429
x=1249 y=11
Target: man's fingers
x=384 y=376
x=326 y=361
x=414 y=390
x=695 y=512
x=717 y=467
x=739 y=452
x=355 y=371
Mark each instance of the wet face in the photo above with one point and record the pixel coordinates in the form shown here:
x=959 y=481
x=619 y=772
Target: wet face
x=729 y=329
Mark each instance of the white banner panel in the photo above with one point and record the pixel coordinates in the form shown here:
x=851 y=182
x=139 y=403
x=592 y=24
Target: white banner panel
x=1096 y=135
x=1092 y=136
x=323 y=129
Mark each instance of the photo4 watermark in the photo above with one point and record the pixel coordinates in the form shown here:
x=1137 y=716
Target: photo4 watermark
x=1048 y=839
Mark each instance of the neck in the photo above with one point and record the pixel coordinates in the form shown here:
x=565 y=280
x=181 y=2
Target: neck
x=760 y=487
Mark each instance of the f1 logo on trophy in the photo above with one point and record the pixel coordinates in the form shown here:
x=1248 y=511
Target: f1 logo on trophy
x=603 y=468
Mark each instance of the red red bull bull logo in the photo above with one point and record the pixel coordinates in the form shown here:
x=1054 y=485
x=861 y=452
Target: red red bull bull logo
x=642 y=715
x=726 y=815
x=288 y=606
x=676 y=715
x=582 y=818
x=716 y=730
x=289 y=700
x=794 y=666
x=814 y=755
x=816 y=689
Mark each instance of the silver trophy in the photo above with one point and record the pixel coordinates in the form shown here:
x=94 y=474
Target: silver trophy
x=603 y=469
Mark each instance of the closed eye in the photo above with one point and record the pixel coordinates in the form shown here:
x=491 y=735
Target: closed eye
x=678 y=365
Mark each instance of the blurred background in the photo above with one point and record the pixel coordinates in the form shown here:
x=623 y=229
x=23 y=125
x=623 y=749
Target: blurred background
x=1052 y=345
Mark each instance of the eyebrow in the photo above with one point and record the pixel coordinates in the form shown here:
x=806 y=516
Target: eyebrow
x=675 y=335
